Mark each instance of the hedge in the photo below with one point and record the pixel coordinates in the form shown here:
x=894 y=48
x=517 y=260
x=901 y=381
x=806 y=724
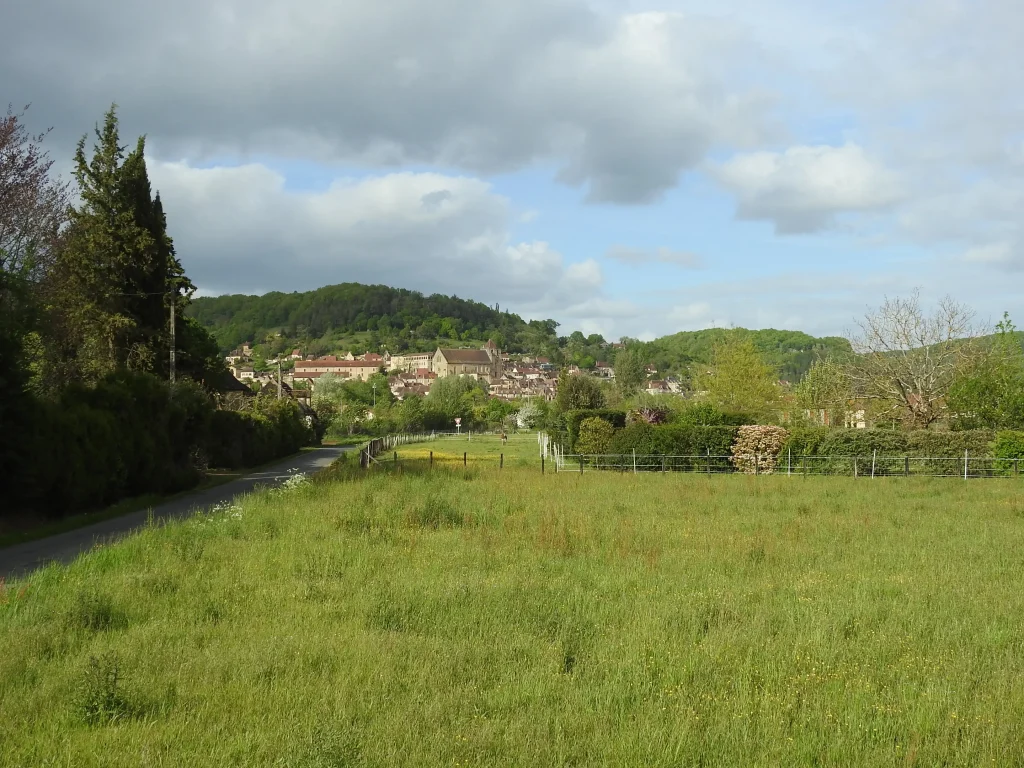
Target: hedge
x=678 y=440
x=836 y=448
x=132 y=434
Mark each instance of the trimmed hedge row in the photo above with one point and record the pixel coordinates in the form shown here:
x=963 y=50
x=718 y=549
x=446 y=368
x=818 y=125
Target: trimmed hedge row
x=133 y=434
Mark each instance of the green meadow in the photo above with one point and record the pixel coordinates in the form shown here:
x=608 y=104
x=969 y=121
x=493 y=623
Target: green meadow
x=482 y=617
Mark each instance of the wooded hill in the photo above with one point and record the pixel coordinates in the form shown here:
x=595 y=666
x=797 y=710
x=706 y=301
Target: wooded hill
x=335 y=313
x=789 y=352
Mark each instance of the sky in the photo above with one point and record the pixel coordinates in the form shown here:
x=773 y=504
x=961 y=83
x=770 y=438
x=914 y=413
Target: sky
x=626 y=168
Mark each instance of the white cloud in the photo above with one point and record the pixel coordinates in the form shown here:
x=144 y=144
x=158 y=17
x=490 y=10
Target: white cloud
x=804 y=188
x=638 y=256
x=239 y=229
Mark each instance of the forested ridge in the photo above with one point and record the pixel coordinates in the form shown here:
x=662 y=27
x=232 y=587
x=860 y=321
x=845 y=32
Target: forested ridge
x=399 y=316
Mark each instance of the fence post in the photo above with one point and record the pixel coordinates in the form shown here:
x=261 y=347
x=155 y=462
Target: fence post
x=542 y=463
x=663 y=462
x=396 y=457
x=906 y=466
x=965 y=465
x=634 y=461
x=431 y=459
x=501 y=462
x=757 y=464
x=581 y=464
x=463 y=458
x=855 y=466
x=874 y=455
x=709 y=461
x=1016 y=467
x=789 y=462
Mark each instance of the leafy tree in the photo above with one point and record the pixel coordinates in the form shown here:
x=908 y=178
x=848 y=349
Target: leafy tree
x=453 y=397
x=577 y=392
x=826 y=387
x=630 y=368
x=990 y=393
x=412 y=414
x=739 y=380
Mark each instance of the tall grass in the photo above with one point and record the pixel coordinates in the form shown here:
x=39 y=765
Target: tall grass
x=506 y=618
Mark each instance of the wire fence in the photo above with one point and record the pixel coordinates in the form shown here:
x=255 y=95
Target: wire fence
x=965 y=467
x=552 y=458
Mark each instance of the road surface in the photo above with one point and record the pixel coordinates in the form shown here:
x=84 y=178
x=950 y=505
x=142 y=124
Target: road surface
x=17 y=560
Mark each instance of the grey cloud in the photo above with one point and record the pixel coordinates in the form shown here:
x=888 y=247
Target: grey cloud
x=622 y=105
x=239 y=230
x=637 y=256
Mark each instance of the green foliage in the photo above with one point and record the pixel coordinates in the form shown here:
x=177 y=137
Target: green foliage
x=452 y=397
x=678 y=440
x=827 y=387
x=402 y=319
x=578 y=391
x=991 y=393
x=739 y=380
x=836 y=445
x=630 y=368
x=573 y=419
x=788 y=352
x=595 y=436
x=703 y=414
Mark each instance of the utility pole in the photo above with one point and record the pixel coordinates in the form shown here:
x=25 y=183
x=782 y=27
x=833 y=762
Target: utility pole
x=174 y=296
x=278 y=377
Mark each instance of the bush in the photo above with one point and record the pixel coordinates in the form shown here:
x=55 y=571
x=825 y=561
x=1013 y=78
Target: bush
x=573 y=419
x=756 y=448
x=692 y=447
x=1008 y=447
x=595 y=436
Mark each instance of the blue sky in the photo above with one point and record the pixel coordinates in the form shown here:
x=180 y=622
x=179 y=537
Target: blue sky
x=632 y=168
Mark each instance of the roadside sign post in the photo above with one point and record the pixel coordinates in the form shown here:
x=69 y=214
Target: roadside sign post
x=458 y=425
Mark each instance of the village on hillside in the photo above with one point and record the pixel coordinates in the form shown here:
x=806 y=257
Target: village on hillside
x=508 y=377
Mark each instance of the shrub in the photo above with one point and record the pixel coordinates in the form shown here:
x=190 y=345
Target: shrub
x=756 y=449
x=1008 y=447
x=573 y=419
x=595 y=436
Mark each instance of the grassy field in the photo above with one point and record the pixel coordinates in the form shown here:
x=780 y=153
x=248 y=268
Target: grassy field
x=477 y=617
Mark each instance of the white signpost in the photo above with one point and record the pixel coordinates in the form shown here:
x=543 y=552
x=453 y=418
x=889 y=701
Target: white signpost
x=458 y=425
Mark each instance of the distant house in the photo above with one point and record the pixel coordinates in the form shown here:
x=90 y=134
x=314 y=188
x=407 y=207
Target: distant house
x=310 y=370
x=657 y=388
x=604 y=370
x=244 y=373
x=295 y=355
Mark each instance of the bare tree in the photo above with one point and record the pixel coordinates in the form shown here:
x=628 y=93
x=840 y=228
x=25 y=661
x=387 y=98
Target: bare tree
x=908 y=360
x=33 y=205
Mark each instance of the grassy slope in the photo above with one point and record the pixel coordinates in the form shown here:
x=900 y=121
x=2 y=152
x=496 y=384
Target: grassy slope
x=485 y=618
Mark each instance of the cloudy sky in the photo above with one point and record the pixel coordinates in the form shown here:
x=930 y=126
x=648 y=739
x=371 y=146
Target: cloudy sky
x=631 y=168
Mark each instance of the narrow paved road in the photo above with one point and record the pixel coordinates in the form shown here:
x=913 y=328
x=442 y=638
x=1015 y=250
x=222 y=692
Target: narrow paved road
x=20 y=559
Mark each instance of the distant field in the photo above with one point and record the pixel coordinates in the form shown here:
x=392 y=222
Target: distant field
x=475 y=617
